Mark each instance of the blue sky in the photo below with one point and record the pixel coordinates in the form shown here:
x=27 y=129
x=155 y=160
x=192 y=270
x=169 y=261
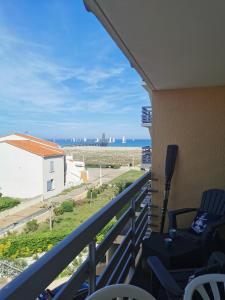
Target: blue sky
x=61 y=75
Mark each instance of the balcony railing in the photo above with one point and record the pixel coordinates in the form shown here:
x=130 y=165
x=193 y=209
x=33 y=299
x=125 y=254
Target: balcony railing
x=146 y=157
x=131 y=227
x=146 y=116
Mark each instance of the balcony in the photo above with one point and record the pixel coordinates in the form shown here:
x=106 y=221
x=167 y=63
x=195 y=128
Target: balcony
x=132 y=211
x=146 y=116
x=146 y=158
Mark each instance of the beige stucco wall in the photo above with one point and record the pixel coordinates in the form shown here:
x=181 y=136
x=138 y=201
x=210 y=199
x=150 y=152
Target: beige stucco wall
x=194 y=119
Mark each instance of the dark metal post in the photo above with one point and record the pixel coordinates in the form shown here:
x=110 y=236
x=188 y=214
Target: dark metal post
x=133 y=232
x=92 y=267
x=149 y=195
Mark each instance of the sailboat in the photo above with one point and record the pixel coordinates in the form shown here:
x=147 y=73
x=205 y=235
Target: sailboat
x=110 y=140
x=113 y=140
x=85 y=140
x=97 y=140
x=123 y=140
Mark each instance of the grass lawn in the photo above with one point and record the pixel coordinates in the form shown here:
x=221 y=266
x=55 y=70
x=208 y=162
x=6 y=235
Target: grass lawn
x=129 y=176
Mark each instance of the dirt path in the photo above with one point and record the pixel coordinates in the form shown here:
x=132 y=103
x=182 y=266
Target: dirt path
x=14 y=218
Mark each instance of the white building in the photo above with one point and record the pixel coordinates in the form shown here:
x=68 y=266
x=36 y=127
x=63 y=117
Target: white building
x=30 y=167
x=75 y=172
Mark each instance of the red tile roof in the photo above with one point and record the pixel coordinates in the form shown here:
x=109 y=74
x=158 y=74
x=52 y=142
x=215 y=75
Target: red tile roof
x=36 y=147
x=32 y=138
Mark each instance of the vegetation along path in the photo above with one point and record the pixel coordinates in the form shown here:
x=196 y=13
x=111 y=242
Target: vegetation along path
x=15 y=220
x=65 y=221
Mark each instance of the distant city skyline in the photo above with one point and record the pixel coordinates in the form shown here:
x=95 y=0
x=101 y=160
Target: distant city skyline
x=62 y=76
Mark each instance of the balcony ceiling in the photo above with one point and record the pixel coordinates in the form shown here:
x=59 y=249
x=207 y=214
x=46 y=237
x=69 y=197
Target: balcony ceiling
x=172 y=44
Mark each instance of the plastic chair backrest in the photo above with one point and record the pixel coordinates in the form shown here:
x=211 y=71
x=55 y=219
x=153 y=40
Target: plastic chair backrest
x=213 y=202
x=197 y=284
x=121 y=290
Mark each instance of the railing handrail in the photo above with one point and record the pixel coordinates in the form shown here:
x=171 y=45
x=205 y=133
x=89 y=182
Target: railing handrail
x=40 y=274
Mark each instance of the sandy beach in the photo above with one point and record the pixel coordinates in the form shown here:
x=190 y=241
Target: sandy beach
x=105 y=155
x=100 y=149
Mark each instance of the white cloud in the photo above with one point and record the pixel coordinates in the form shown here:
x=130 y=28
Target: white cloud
x=38 y=91
x=32 y=79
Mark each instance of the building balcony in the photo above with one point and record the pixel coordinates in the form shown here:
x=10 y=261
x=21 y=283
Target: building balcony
x=146 y=158
x=146 y=116
x=132 y=211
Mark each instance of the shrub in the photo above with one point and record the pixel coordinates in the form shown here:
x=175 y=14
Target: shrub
x=102 y=188
x=101 y=235
x=31 y=226
x=7 y=202
x=67 y=206
x=21 y=263
x=115 y=166
x=92 y=194
x=25 y=245
x=58 y=211
x=104 y=166
x=58 y=220
x=122 y=186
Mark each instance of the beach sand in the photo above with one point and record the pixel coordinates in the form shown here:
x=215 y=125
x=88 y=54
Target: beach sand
x=100 y=149
x=105 y=155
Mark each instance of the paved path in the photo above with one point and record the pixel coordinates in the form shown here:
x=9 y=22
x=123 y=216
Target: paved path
x=16 y=220
x=94 y=180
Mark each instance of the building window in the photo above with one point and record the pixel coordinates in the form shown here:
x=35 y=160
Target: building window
x=50 y=185
x=52 y=169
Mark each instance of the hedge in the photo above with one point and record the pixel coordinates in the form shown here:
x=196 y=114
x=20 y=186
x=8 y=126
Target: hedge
x=25 y=245
x=104 y=166
x=7 y=202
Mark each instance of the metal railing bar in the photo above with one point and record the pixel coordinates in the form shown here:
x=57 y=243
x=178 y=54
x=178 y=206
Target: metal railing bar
x=119 y=266
x=114 y=260
x=140 y=217
x=111 y=235
x=74 y=283
x=141 y=225
x=45 y=270
x=140 y=238
x=141 y=220
x=92 y=266
x=124 y=271
x=133 y=229
x=141 y=197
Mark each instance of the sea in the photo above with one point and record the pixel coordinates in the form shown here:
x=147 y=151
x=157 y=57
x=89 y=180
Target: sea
x=117 y=143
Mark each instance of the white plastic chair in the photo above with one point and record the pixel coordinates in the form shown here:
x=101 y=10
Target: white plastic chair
x=197 y=284
x=120 y=290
